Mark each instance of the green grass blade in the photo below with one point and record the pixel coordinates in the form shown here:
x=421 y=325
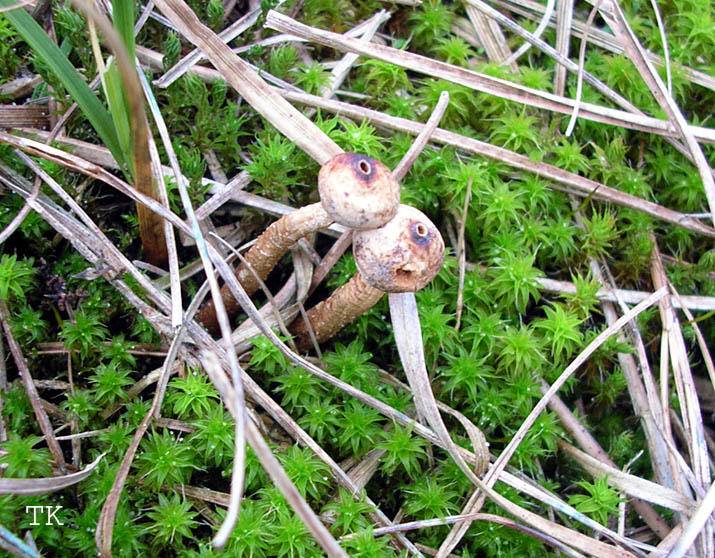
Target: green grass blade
x=51 y=54
x=116 y=99
x=123 y=16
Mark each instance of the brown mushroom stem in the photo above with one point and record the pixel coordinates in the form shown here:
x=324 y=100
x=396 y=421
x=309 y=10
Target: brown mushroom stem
x=345 y=305
x=266 y=252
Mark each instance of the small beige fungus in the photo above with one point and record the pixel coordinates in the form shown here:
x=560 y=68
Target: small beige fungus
x=355 y=190
x=403 y=255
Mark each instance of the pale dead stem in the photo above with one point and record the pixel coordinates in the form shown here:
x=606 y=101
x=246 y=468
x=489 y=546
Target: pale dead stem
x=18 y=219
x=462 y=255
x=564 y=17
x=491 y=38
x=629 y=297
x=540 y=28
x=696 y=525
x=479 y=82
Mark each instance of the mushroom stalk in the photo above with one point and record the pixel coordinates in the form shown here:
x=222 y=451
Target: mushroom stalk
x=356 y=191
x=402 y=256
x=265 y=253
x=328 y=317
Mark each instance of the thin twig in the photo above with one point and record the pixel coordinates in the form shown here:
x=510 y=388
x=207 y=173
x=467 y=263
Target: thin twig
x=462 y=254
x=30 y=389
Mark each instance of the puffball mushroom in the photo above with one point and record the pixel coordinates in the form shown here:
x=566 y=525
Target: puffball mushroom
x=403 y=255
x=355 y=190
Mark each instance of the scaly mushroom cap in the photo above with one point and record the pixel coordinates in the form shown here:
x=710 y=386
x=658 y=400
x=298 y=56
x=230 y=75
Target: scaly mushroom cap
x=357 y=191
x=401 y=256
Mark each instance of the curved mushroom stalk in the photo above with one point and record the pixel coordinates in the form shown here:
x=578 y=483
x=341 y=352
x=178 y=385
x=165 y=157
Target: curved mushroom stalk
x=404 y=255
x=329 y=316
x=263 y=256
x=356 y=191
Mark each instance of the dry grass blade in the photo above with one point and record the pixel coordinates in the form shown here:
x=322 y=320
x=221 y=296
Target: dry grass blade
x=249 y=85
x=479 y=82
x=195 y=56
x=28 y=116
x=630 y=484
x=13 y=225
x=151 y=227
x=19 y=87
x=564 y=16
x=540 y=28
x=696 y=524
x=491 y=38
x=423 y=138
x=408 y=338
x=16 y=546
x=30 y=389
x=707 y=357
x=33 y=487
x=496 y=469
x=462 y=255
x=701 y=303
x=567 y=181
x=342 y=68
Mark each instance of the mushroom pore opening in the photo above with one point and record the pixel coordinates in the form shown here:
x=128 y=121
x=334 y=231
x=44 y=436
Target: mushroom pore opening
x=364 y=167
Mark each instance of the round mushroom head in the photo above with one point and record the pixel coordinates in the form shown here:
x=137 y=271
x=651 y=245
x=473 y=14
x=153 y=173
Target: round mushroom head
x=401 y=256
x=358 y=191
